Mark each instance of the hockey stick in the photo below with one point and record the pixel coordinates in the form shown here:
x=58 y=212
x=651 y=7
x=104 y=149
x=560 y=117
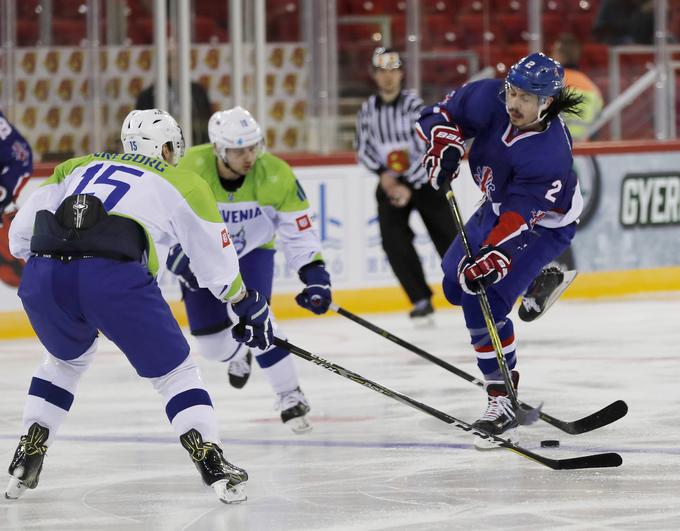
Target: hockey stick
x=587 y=461
x=524 y=416
x=607 y=415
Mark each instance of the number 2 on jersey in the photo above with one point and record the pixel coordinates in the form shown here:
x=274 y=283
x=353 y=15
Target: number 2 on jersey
x=556 y=187
x=120 y=188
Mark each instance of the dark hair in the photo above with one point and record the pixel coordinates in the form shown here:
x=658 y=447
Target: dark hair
x=566 y=101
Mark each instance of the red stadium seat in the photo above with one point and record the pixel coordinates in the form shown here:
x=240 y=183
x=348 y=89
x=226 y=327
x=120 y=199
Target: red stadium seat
x=69 y=8
x=28 y=32
x=510 y=28
x=68 y=32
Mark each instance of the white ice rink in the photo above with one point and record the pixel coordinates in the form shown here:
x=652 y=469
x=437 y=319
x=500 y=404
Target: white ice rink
x=371 y=462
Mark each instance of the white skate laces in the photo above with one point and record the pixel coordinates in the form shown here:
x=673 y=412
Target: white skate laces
x=497 y=407
x=294 y=406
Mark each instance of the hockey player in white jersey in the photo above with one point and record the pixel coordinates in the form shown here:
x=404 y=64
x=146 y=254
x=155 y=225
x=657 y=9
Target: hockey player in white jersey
x=260 y=200
x=89 y=235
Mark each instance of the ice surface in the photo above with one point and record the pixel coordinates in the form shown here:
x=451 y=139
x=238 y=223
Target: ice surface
x=370 y=462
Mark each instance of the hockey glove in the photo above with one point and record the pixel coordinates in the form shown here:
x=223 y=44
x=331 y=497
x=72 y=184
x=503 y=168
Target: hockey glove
x=178 y=263
x=317 y=294
x=442 y=159
x=254 y=327
x=487 y=267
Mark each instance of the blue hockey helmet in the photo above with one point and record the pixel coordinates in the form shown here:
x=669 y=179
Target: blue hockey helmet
x=537 y=74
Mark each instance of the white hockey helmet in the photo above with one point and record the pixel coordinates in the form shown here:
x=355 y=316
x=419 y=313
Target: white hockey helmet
x=146 y=132
x=233 y=129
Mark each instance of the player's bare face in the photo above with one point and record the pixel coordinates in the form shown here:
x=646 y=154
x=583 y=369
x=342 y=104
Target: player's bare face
x=388 y=81
x=522 y=106
x=242 y=160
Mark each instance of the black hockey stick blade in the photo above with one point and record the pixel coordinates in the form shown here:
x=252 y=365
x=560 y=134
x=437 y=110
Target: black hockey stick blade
x=607 y=415
x=604 y=416
x=606 y=460
x=588 y=461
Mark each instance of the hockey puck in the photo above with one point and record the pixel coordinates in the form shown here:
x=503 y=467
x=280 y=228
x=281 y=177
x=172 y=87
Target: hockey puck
x=550 y=443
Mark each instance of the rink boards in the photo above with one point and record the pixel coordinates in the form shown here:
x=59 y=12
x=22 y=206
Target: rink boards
x=627 y=241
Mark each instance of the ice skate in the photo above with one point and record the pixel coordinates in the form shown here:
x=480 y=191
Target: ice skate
x=239 y=370
x=294 y=408
x=500 y=417
x=544 y=291
x=228 y=481
x=422 y=314
x=27 y=461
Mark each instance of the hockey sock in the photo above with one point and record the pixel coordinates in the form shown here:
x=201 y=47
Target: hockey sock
x=221 y=346
x=486 y=355
x=187 y=402
x=277 y=365
x=52 y=390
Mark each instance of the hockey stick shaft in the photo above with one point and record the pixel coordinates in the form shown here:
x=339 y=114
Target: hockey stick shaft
x=605 y=416
x=484 y=303
x=590 y=461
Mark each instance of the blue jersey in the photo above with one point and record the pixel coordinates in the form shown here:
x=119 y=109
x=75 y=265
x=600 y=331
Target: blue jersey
x=16 y=162
x=527 y=176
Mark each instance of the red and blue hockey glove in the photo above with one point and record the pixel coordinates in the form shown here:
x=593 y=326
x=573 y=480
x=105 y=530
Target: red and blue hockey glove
x=442 y=159
x=316 y=296
x=178 y=263
x=254 y=327
x=487 y=267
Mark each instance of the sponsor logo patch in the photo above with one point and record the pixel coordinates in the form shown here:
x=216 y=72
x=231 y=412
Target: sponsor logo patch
x=303 y=223
x=225 y=238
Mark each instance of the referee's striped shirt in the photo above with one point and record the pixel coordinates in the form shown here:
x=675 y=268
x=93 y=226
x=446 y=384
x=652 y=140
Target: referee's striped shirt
x=383 y=128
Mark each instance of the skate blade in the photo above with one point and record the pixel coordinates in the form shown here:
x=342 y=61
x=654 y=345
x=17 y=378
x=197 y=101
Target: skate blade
x=484 y=444
x=15 y=489
x=227 y=494
x=423 y=322
x=299 y=425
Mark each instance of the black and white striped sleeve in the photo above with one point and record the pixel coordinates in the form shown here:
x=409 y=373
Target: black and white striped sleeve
x=367 y=154
x=413 y=106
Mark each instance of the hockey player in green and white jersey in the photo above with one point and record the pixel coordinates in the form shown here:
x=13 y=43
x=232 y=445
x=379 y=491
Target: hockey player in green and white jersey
x=89 y=235
x=259 y=199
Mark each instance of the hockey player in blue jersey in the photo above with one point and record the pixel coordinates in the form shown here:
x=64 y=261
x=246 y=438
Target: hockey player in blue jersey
x=521 y=160
x=89 y=235
x=16 y=163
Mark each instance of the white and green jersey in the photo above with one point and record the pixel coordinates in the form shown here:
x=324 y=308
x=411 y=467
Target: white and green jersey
x=270 y=203
x=171 y=205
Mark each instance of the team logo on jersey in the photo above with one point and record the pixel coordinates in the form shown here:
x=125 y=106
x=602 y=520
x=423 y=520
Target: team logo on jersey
x=484 y=178
x=225 y=238
x=303 y=223
x=536 y=216
x=239 y=240
x=20 y=151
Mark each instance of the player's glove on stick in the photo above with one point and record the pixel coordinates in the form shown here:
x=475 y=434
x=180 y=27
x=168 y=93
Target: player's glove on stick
x=317 y=294
x=442 y=159
x=255 y=326
x=178 y=263
x=487 y=267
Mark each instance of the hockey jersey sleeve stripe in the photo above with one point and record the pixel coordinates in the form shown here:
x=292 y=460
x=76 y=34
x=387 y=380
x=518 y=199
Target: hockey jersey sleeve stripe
x=231 y=290
x=510 y=224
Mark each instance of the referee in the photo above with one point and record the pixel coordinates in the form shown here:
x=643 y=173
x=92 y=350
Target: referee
x=387 y=144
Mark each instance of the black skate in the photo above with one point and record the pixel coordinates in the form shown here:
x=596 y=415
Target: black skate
x=294 y=408
x=544 y=291
x=422 y=314
x=27 y=462
x=500 y=417
x=228 y=481
x=239 y=371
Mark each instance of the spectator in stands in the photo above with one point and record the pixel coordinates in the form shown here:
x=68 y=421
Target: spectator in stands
x=201 y=109
x=625 y=22
x=567 y=50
